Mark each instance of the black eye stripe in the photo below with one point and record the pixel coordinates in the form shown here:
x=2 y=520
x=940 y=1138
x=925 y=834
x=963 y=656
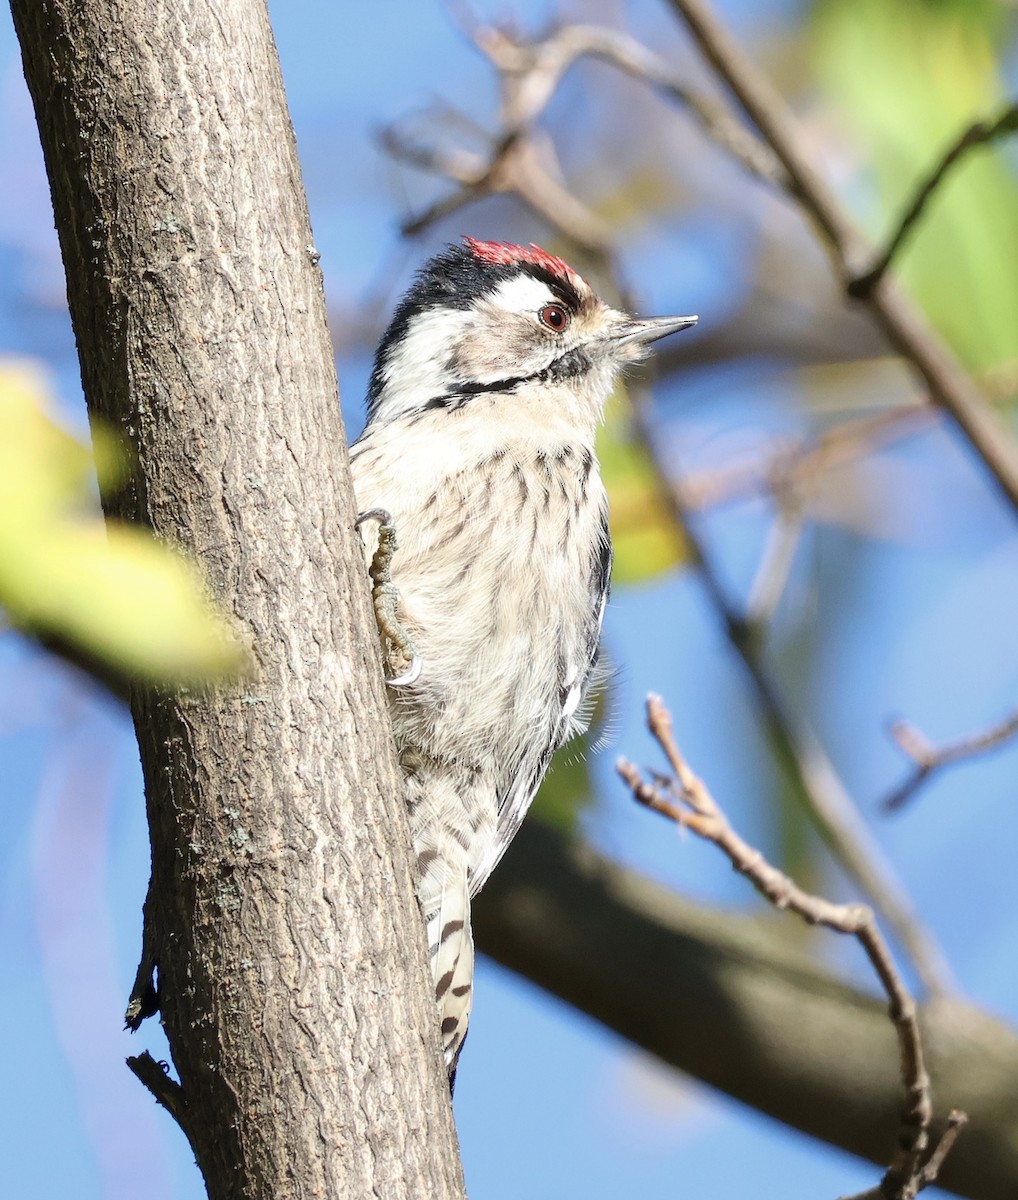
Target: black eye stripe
x=570 y=365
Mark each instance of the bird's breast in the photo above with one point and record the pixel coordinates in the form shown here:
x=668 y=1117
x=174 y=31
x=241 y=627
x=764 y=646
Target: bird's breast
x=493 y=567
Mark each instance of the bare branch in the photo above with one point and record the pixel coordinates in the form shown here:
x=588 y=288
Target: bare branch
x=929 y=759
x=155 y=1076
x=950 y=386
x=775 y=565
x=956 y=1122
x=812 y=773
x=927 y=1175
x=802 y=465
x=461 y=166
x=689 y=803
x=726 y=996
x=979 y=133
x=529 y=74
x=522 y=163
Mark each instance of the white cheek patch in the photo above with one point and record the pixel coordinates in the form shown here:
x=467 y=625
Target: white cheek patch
x=522 y=294
x=413 y=373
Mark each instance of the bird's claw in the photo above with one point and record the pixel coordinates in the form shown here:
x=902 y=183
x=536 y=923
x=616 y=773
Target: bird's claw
x=381 y=515
x=411 y=675
x=384 y=597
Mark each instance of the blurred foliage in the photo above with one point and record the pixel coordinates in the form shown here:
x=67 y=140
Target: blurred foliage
x=646 y=538
x=911 y=76
x=113 y=592
x=568 y=788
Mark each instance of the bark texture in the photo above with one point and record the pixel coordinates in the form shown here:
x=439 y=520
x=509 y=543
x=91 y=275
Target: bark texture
x=282 y=921
x=730 y=999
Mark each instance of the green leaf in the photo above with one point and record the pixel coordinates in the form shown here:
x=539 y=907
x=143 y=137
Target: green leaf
x=911 y=77
x=112 y=590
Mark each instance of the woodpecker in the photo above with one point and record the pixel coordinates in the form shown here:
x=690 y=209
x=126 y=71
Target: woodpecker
x=493 y=567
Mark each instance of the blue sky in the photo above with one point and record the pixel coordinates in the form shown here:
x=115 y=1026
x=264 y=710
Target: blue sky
x=549 y=1105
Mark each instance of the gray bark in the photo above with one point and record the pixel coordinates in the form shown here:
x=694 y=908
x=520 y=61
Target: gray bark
x=281 y=919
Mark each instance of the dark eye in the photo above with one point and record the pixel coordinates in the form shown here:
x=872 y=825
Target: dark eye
x=554 y=317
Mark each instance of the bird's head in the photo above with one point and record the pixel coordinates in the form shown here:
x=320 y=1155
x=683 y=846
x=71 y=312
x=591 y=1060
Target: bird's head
x=491 y=317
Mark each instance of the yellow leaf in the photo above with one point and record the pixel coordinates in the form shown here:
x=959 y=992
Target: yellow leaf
x=113 y=591
x=647 y=540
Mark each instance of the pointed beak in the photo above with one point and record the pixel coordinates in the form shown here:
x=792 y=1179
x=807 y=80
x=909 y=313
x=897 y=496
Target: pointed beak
x=642 y=333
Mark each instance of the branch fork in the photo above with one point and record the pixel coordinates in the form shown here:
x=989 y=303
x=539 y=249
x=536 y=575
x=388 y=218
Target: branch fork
x=685 y=799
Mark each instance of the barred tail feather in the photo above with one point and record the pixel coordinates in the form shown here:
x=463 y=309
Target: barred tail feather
x=452 y=965
x=448 y=806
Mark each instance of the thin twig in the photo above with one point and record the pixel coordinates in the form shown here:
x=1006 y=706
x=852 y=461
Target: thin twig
x=144 y=999
x=802 y=465
x=522 y=163
x=776 y=561
x=956 y=1122
x=686 y=800
x=533 y=72
x=812 y=773
x=797 y=748
x=928 y=758
x=529 y=74
x=979 y=133
x=906 y=328
x=927 y=1175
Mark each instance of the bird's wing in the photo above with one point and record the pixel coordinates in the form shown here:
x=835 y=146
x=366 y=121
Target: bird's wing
x=574 y=683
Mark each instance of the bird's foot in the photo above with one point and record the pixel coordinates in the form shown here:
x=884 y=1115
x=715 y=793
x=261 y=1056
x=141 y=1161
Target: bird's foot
x=396 y=642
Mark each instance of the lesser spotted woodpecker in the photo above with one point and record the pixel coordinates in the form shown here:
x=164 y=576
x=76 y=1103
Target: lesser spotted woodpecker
x=486 y=394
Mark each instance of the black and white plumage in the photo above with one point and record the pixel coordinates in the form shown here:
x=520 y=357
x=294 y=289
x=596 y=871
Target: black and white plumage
x=482 y=412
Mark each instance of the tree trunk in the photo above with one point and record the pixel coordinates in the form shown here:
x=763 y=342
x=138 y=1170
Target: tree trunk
x=281 y=920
